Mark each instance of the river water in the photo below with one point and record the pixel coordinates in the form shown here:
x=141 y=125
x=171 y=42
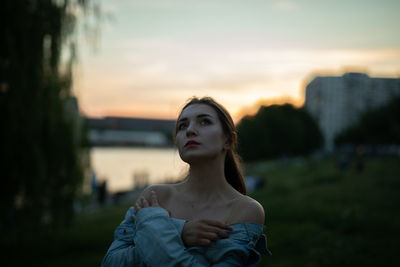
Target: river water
x=125 y=168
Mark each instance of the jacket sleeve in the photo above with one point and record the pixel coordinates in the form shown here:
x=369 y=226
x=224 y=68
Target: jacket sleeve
x=240 y=252
x=123 y=250
x=160 y=244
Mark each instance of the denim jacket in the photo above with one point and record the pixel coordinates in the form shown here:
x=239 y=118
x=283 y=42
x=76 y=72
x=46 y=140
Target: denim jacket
x=154 y=239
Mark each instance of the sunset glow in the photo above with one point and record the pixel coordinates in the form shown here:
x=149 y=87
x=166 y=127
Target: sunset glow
x=154 y=55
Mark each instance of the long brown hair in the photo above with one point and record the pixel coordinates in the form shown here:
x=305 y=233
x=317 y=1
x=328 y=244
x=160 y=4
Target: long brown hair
x=233 y=171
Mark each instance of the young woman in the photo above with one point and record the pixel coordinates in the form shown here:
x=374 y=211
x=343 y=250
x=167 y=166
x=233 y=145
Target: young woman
x=206 y=220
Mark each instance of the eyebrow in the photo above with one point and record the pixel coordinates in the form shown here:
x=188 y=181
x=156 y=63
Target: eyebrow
x=198 y=116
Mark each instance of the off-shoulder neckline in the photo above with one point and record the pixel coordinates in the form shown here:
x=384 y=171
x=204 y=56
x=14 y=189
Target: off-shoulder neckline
x=232 y=224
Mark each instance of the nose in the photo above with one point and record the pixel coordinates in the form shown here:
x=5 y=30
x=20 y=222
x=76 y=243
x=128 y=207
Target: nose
x=191 y=130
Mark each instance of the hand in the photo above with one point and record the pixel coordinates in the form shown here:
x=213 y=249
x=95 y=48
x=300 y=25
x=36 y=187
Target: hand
x=142 y=203
x=203 y=232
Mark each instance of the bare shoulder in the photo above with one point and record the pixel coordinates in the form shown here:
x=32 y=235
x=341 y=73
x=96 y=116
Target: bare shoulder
x=249 y=210
x=163 y=192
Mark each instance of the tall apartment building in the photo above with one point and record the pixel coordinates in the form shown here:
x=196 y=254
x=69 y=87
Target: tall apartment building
x=337 y=102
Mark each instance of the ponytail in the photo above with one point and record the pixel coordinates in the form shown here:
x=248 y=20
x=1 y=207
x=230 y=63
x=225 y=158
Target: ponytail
x=233 y=172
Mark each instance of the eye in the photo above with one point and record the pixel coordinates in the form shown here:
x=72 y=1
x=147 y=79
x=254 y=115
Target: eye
x=205 y=122
x=182 y=126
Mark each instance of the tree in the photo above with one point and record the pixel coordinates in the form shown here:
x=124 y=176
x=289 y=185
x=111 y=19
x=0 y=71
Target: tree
x=378 y=126
x=42 y=145
x=277 y=130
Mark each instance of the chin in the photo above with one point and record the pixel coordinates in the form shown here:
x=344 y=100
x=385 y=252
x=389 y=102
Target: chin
x=190 y=157
x=196 y=156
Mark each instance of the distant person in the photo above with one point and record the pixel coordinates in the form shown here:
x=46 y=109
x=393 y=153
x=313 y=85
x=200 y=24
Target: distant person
x=93 y=183
x=102 y=192
x=253 y=183
x=360 y=158
x=205 y=220
x=344 y=162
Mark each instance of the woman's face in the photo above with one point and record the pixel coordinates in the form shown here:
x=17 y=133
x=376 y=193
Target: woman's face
x=200 y=134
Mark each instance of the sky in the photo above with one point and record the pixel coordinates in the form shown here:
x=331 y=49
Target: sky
x=150 y=56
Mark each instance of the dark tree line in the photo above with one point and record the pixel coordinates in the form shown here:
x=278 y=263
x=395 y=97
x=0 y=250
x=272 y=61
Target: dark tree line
x=277 y=130
x=380 y=126
x=42 y=142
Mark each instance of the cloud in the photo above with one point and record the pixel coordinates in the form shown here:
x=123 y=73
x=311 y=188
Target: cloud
x=145 y=74
x=285 y=5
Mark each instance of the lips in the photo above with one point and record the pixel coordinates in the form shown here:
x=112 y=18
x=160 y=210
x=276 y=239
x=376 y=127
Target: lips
x=191 y=143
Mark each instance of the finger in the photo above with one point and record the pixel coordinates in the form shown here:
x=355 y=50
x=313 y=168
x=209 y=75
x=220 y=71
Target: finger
x=138 y=202
x=137 y=207
x=216 y=230
x=145 y=203
x=210 y=236
x=217 y=224
x=214 y=235
x=204 y=242
x=223 y=234
x=154 y=200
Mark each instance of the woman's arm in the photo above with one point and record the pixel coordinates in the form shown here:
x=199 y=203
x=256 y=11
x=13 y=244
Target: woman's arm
x=122 y=251
x=201 y=232
x=160 y=244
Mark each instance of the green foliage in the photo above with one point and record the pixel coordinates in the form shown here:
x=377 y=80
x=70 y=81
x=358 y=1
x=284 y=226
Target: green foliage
x=376 y=127
x=42 y=144
x=277 y=130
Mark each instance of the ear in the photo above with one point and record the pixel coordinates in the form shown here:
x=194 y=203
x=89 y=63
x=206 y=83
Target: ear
x=230 y=141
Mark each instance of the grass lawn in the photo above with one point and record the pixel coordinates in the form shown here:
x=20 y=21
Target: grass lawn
x=316 y=215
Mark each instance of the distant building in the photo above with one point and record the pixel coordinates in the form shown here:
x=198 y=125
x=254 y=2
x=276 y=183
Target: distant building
x=337 y=102
x=127 y=138
x=117 y=131
x=131 y=124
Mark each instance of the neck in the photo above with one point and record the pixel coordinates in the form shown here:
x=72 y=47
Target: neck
x=207 y=181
